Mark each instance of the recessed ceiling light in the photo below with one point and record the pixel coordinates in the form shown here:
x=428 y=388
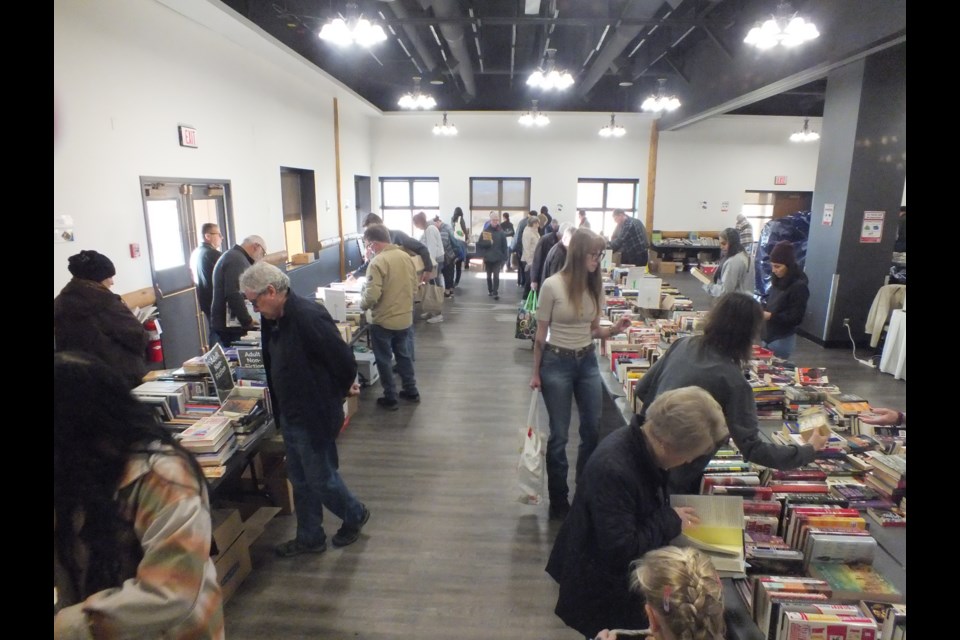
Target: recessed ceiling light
x=437 y=81
x=626 y=83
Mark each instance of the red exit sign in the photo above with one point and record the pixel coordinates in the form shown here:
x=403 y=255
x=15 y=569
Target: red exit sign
x=188 y=136
x=779 y=180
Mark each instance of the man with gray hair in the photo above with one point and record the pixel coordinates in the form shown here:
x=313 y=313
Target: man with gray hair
x=230 y=317
x=388 y=295
x=310 y=370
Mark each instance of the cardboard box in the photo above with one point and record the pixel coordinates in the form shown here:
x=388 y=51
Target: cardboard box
x=227 y=527
x=669 y=267
x=302 y=258
x=233 y=565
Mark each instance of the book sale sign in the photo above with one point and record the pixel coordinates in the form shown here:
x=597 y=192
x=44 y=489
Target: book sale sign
x=872 y=229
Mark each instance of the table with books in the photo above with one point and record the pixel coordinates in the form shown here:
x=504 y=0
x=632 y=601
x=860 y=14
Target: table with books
x=824 y=545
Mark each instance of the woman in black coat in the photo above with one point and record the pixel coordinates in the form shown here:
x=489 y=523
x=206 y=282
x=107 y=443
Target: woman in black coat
x=787 y=301
x=620 y=510
x=88 y=317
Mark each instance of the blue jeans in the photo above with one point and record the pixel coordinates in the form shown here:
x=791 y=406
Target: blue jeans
x=395 y=342
x=782 y=347
x=563 y=378
x=312 y=466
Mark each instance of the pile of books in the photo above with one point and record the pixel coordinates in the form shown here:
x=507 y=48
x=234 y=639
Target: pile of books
x=212 y=441
x=887 y=474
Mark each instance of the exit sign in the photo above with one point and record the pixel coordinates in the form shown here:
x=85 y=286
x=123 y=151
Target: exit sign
x=779 y=180
x=188 y=136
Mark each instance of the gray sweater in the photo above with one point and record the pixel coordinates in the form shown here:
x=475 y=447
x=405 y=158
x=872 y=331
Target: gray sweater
x=690 y=362
x=735 y=275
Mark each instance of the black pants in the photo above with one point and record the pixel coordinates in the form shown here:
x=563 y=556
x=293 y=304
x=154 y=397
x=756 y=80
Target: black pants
x=448 y=275
x=521 y=273
x=459 y=269
x=493 y=275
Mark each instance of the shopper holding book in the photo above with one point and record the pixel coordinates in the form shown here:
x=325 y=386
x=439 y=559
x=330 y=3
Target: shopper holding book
x=131 y=516
x=787 y=302
x=715 y=362
x=682 y=596
x=734 y=272
x=621 y=510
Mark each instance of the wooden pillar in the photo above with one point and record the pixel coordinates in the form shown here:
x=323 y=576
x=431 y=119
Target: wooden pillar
x=651 y=175
x=336 y=145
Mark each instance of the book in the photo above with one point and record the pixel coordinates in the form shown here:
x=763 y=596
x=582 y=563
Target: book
x=798 y=625
x=891 y=517
x=896 y=621
x=720 y=532
x=855 y=582
x=239 y=406
x=836 y=547
x=816 y=607
x=701 y=276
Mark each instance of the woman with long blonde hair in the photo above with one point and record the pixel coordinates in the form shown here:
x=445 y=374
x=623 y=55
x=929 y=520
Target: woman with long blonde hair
x=564 y=363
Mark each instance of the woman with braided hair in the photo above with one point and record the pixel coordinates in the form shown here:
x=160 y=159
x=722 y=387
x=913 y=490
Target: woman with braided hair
x=683 y=597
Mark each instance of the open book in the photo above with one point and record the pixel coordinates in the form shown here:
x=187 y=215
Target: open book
x=720 y=532
x=144 y=313
x=701 y=276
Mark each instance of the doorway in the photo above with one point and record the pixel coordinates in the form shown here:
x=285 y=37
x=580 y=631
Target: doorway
x=361 y=188
x=299 y=200
x=175 y=209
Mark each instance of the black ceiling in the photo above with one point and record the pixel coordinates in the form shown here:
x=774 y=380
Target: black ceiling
x=483 y=50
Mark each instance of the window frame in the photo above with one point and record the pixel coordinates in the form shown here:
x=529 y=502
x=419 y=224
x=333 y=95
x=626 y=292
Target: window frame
x=608 y=225
x=484 y=211
x=414 y=207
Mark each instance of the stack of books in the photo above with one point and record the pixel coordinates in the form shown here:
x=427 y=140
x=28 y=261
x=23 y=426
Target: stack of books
x=212 y=441
x=719 y=534
x=772 y=593
x=888 y=474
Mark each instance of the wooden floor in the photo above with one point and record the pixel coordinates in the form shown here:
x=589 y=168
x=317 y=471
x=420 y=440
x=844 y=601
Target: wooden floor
x=448 y=551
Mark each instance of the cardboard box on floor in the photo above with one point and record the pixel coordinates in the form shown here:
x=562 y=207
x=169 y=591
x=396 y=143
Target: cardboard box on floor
x=233 y=537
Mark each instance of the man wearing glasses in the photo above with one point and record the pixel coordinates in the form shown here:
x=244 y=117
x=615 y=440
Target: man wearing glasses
x=202 y=262
x=230 y=317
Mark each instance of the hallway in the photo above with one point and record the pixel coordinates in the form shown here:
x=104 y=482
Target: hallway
x=448 y=552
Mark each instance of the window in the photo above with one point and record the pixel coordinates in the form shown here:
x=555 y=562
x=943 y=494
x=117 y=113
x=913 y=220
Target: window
x=511 y=195
x=599 y=197
x=401 y=198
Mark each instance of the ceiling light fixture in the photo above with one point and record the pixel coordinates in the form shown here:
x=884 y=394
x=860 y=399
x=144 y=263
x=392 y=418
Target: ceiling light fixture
x=416 y=99
x=534 y=117
x=613 y=130
x=660 y=101
x=805 y=135
x=444 y=129
x=548 y=77
x=352 y=29
x=785 y=28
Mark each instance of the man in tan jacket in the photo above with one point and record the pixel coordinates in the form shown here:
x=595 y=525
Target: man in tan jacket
x=388 y=294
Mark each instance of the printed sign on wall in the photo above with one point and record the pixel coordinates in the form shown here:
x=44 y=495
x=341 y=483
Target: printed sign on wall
x=872 y=229
x=827 y=215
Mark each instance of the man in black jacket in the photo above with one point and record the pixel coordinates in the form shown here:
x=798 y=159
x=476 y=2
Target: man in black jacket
x=310 y=370
x=403 y=240
x=202 y=262
x=230 y=318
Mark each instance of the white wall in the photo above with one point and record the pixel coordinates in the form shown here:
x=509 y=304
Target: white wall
x=496 y=145
x=127 y=72
x=716 y=160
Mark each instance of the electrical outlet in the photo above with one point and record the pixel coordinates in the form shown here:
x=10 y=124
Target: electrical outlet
x=846 y=322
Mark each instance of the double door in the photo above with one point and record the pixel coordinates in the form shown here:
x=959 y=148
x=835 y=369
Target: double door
x=175 y=211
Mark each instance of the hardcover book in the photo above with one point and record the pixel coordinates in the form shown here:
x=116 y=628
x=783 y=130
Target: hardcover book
x=855 y=582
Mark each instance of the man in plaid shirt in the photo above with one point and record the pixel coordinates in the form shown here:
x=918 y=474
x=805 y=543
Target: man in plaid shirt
x=630 y=239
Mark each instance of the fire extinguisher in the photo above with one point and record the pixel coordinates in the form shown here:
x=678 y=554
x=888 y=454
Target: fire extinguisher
x=154 y=346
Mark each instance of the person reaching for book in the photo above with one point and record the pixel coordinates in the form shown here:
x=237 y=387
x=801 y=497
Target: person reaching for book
x=885 y=417
x=682 y=596
x=620 y=510
x=715 y=362
x=132 y=534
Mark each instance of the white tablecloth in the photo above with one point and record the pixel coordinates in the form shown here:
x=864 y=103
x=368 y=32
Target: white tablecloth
x=894 y=358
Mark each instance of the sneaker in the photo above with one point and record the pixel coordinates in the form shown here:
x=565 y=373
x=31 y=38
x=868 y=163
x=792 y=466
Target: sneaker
x=294 y=547
x=559 y=510
x=350 y=533
x=390 y=404
x=424 y=316
x=448 y=294
x=489 y=293
x=407 y=395
x=496 y=296
x=436 y=319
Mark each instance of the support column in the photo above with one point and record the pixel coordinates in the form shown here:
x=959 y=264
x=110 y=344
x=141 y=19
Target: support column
x=862 y=167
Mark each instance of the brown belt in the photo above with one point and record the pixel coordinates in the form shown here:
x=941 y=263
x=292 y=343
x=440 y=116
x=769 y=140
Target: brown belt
x=570 y=353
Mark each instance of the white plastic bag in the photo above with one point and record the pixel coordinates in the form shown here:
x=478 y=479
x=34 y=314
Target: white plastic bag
x=530 y=469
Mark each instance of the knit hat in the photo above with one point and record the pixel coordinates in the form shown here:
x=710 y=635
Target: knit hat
x=782 y=253
x=91 y=265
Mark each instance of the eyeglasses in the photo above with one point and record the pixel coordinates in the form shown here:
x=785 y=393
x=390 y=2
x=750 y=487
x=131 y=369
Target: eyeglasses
x=256 y=298
x=598 y=255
